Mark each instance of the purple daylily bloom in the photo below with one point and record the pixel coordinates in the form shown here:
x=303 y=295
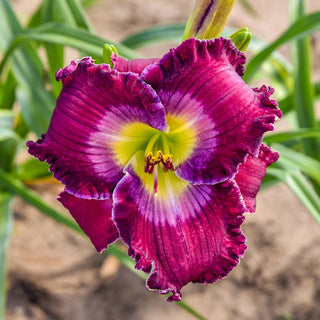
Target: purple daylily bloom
x=165 y=154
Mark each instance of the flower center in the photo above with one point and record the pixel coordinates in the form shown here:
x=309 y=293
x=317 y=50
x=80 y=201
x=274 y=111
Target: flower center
x=152 y=159
x=164 y=160
x=147 y=149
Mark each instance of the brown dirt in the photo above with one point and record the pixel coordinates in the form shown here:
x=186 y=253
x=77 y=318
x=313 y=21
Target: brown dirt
x=56 y=274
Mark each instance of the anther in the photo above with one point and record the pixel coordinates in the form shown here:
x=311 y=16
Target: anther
x=151 y=161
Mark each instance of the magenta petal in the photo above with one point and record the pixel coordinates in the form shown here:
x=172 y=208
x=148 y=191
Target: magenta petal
x=93 y=217
x=93 y=106
x=134 y=65
x=252 y=172
x=200 y=82
x=194 y=236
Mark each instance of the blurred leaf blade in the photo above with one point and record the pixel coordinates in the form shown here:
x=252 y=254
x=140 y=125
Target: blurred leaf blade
x=27 y=68
x=33 y=169
x=173 y=32
x=15 y=186
x=287 y=103
x=65 y=12
x=298 y=161
x=7 y=92
x=80 y=15
x=8 y=140
x=87 y=3
x=5 y=231
x=247 y=6
x=80 y=39
x=303 y=27
x=291 y=135
x=303 y=93
x=301 y=188
x=54 y=52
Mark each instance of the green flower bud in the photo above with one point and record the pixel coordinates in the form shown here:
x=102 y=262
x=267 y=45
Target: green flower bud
x=108 y=49
x=241 y=39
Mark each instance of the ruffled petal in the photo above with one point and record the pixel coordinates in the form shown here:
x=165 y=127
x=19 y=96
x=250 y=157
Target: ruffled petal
x=252 y=172
x=94 y=105
x=134 y=65
x=200 y=84
x=192 y=235
x=93 y=217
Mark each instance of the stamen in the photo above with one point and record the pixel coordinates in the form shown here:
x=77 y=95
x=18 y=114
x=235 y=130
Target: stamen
x=152 y=161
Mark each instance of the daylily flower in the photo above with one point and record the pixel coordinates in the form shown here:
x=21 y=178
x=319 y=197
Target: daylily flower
x=165 y=154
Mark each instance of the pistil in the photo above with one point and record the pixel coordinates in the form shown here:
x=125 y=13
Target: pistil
x=154 y=157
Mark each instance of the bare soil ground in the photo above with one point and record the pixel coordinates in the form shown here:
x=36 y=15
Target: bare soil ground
x=55 y=274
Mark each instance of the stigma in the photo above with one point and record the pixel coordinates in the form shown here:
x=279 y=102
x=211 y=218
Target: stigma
x=152 y=161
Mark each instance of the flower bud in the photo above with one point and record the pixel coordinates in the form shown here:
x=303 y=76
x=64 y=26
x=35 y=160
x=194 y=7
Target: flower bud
x=108 y=49
x=208 y=19
x=241 y=39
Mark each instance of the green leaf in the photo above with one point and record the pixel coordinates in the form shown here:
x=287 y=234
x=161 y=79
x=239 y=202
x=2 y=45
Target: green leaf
x=87 y=3
x=79 y=15
x=291 y=135
x=54 y=52
x=66 y=13
x=303 y=27
x=36 y=18
x=6 y=119
x=37 y=104
x=303 y=93
x=8 y=140
x=13 y=185
x=291 y=159
x=7 y=91
x=287 y=103
x=173 y=32
x=20 y=126
x=247 y=5
x=63 y=35
x=301 y=188
x=5 y=231
x=33 y=169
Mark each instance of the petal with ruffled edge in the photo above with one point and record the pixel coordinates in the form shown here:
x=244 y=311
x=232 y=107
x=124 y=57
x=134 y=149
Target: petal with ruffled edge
x=94 y=105
x=93 y=217
x=191 y=235
x=252 y=172
x=200 y=84
x=133 y=65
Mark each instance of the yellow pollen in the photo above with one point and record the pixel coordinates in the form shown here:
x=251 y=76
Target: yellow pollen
x=152 y=160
